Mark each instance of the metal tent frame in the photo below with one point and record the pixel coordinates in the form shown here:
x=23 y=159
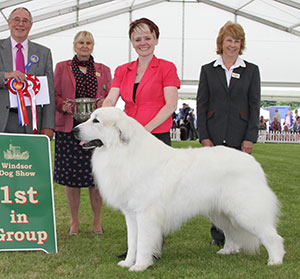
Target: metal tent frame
x=238 y=8
x=49 y=15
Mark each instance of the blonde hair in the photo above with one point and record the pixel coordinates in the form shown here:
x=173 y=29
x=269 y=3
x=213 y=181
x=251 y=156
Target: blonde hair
x=83 y=34
x=234 y=30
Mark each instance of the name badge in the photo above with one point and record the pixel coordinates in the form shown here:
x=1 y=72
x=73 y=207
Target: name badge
x=235 y=75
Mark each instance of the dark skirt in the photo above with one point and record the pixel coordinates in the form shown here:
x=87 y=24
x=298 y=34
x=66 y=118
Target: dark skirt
x=72 y=164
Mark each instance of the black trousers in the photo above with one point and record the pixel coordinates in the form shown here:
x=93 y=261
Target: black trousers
x=164 y=137
x=216 y=233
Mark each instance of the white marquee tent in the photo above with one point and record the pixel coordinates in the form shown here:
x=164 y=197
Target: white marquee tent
x=188 y=32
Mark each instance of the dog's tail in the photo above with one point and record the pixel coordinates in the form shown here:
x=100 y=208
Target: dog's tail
x=235 y=235
x=245 y=240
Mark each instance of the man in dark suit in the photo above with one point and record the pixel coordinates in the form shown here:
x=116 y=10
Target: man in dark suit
x=228 y=99
x=20 y=23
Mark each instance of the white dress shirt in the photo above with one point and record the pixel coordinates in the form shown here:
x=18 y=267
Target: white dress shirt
x=238 y=63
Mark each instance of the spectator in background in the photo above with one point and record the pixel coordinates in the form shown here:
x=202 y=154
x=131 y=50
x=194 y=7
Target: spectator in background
x=183 y=111
x=175 y=120
x=288 y=120
x=296 y=126
x=183 y=121
x=295 y=115
x=191 y=124
x=286 y=129
x=262 y=123
x=277 y=114
x=275 y=125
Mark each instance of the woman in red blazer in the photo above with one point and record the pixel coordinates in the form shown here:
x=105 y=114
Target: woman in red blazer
x=79 y=77
x=148 y=86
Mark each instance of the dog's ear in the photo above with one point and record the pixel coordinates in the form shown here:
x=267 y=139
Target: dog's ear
x=125 y=130
x=123 y=137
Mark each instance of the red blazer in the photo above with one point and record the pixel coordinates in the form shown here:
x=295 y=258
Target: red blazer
x=149 y=97
x=65 y=87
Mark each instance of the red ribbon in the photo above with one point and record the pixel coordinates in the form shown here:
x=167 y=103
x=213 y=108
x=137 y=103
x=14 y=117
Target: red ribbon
x=29 y=88
x=22 y=107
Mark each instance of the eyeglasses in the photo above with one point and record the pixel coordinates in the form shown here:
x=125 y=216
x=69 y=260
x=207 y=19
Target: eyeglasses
x=18 y=20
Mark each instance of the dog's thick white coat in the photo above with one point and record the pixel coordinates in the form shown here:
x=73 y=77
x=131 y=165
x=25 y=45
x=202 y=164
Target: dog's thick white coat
x=158 y=188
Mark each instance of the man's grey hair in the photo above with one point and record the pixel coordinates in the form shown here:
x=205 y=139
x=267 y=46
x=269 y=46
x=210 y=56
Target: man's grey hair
x=20 y=8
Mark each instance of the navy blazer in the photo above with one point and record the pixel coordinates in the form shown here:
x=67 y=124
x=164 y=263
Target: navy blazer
x=228 y=115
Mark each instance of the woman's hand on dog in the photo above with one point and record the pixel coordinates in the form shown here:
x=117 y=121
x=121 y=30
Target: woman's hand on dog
x=207 y=142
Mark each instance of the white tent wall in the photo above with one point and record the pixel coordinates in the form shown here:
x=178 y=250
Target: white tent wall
x=187 y=39
x=276 y=52
x=111 y=41
x=168 y=17
x=202 y=24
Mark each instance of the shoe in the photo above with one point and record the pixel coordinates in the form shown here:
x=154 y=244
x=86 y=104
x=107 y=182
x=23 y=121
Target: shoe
x=219 y=243
x=99 y=233
x=73 y=233
x=122 y=256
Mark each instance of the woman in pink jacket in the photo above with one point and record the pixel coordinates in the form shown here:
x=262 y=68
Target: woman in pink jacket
x=148 y=86
x=79 y=77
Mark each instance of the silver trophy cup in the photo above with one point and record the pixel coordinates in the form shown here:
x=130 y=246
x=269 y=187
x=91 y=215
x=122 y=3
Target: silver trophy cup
x=83 y=107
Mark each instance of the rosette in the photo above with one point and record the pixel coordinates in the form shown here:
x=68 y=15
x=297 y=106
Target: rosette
x=19 y=88
x=29 y=88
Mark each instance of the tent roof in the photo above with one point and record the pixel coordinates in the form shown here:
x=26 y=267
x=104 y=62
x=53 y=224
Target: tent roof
x=52 y=17
x=55 y=15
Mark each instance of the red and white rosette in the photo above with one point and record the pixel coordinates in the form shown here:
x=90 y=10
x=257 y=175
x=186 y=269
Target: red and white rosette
x=19 y=88
x=34 y=86
x=29 y=88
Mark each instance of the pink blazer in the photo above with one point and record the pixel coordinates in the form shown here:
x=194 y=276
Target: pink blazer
x=65 y=86
x=149 y=97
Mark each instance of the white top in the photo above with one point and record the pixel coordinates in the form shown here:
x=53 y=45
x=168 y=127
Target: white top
x=229 y=73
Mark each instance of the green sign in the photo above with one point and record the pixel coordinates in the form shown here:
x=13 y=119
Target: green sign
x=27 y=219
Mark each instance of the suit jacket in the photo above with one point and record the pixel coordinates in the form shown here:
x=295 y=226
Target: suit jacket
x=228 y=115
x=65 y=88
x=149 y=97
x=46 y=113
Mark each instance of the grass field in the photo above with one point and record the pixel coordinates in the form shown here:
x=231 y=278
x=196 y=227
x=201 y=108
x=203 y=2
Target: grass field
x=187 y=253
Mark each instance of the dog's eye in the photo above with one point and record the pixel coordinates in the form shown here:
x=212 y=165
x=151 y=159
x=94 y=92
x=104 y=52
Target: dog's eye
x=95 y=120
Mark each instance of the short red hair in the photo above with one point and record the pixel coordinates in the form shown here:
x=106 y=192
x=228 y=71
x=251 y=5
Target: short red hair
x=234 y=30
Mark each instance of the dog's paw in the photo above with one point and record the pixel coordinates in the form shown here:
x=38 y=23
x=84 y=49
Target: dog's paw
x=274 y=262
x=226 y=251
x=138 y=267
x=125 y=263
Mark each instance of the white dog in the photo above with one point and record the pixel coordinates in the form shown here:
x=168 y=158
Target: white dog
x=158 y=188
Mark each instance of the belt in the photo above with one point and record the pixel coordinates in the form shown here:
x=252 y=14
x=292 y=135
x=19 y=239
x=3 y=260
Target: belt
x=15 y=110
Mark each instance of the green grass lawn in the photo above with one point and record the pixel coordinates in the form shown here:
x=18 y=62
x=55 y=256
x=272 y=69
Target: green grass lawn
x=187 y=252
